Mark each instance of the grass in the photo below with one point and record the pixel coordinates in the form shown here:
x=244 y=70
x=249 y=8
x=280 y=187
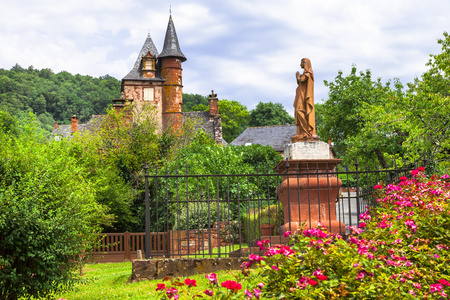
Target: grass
x=110 y=281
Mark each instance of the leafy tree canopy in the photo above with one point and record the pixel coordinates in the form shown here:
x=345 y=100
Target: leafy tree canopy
x=194 y=100
x=365 y=118
x=54 y=96
x=234 y=118
x=269 y=114
x=48 y=215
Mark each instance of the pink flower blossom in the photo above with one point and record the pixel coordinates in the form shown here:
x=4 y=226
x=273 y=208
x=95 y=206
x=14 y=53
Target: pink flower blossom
x=161 y=286
x=172 y=293
x=255 y=258
x=275 y=268
x=444 y=282
x=435 y=288
x=261 y=285
x=257 y=292
x=379 y=186
x=231 y=285
x=445 y=176
x=312 y=282
x=212 y=278
x=190 y=282
x=248 y=294
x=261 y=245
x=286 y=233
x=362 y=225
x=208 y=292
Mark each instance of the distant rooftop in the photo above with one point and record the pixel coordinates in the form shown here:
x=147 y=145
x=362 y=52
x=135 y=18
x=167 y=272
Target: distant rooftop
x=275 y=136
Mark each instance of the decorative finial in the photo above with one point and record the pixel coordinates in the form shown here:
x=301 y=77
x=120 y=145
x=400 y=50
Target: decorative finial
x=148 y=34
x=170 y=9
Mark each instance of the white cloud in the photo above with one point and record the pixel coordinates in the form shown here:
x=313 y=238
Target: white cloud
x=245 y=50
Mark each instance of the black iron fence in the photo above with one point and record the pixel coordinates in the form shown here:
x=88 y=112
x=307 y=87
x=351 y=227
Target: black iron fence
x=226 y=214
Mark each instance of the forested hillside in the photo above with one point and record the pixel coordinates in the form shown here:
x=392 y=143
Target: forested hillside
x=54 y=96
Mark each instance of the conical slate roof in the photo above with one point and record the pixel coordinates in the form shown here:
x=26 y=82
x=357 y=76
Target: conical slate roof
x=136 y=72
x=171 y=47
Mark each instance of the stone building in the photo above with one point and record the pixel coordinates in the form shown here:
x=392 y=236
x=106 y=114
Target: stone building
x=157 y=79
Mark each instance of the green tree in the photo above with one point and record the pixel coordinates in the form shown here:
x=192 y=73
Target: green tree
x=425 y=111
x=234 y=118
x=353 y=101
x=48 y=215
x=54 y=96
x=191 y=100
x=269 y=114
x=8 y=124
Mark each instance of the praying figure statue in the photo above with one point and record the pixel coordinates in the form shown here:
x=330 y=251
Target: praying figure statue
x=304 y=104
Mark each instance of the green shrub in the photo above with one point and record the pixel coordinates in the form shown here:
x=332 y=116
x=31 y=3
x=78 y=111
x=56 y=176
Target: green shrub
x=48 y=216
x=255 y=217
x=202 y=215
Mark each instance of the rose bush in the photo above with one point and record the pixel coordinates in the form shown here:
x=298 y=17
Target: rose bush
x=399 y=251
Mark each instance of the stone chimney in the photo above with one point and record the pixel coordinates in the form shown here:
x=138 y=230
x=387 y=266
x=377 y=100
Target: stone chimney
x=56 y=125
x=213 y=104
x=74 y=123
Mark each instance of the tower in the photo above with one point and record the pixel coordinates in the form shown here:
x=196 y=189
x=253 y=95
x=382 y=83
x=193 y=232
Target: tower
x=157 y=80
x=171 y=58
x=143 y=84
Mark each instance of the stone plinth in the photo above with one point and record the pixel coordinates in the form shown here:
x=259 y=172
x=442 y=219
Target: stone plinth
x=308 y=191
x=308 y=150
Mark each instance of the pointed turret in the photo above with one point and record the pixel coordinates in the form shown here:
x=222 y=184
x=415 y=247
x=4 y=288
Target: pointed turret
x=171 y=47
x=145 y=62
x=171 y=58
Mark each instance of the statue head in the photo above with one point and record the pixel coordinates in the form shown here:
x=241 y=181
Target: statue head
x=305 y=63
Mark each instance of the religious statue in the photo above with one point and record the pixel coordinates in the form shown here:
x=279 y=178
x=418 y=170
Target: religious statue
x=304 y=104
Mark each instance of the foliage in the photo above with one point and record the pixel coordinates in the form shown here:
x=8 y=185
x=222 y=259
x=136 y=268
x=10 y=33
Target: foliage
x=203 y=156
x=194 y=100
x=111 y=281
x=365 y=119
x=54 y=96
x=115 y=150
x=8 y=123
x=200 y=107
x=269 y=114
x=234 y=118
x=251 y=221
x=399 y=251
x=352 y=101
x=200 y=214
x=48 y=215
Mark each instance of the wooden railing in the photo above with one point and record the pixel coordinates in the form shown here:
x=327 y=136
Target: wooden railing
x=117 y=247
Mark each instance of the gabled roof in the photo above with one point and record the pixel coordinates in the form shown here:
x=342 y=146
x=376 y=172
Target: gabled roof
x=275 y=136
x=136 y=72
x=171 y=47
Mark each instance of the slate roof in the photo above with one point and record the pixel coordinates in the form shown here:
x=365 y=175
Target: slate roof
x=65 y=131
x=202 y=120
x=171 y=46
x=136 y=72
x=275 y=136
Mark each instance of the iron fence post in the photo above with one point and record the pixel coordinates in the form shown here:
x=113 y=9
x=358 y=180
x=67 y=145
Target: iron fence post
x=147 y=213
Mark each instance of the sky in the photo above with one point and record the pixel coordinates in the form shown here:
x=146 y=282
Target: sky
x=244 y=50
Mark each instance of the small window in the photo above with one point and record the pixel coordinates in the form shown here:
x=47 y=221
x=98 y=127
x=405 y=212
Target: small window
x=179 y=79
x=148 y=94
x=148 y=64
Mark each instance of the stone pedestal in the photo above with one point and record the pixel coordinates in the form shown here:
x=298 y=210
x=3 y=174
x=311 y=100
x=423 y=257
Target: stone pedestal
x=308 y=191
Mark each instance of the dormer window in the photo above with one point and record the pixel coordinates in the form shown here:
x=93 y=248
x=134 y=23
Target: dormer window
x=148 y=63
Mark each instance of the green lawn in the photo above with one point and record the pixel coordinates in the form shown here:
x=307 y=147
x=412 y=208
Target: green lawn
x=110 y=281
